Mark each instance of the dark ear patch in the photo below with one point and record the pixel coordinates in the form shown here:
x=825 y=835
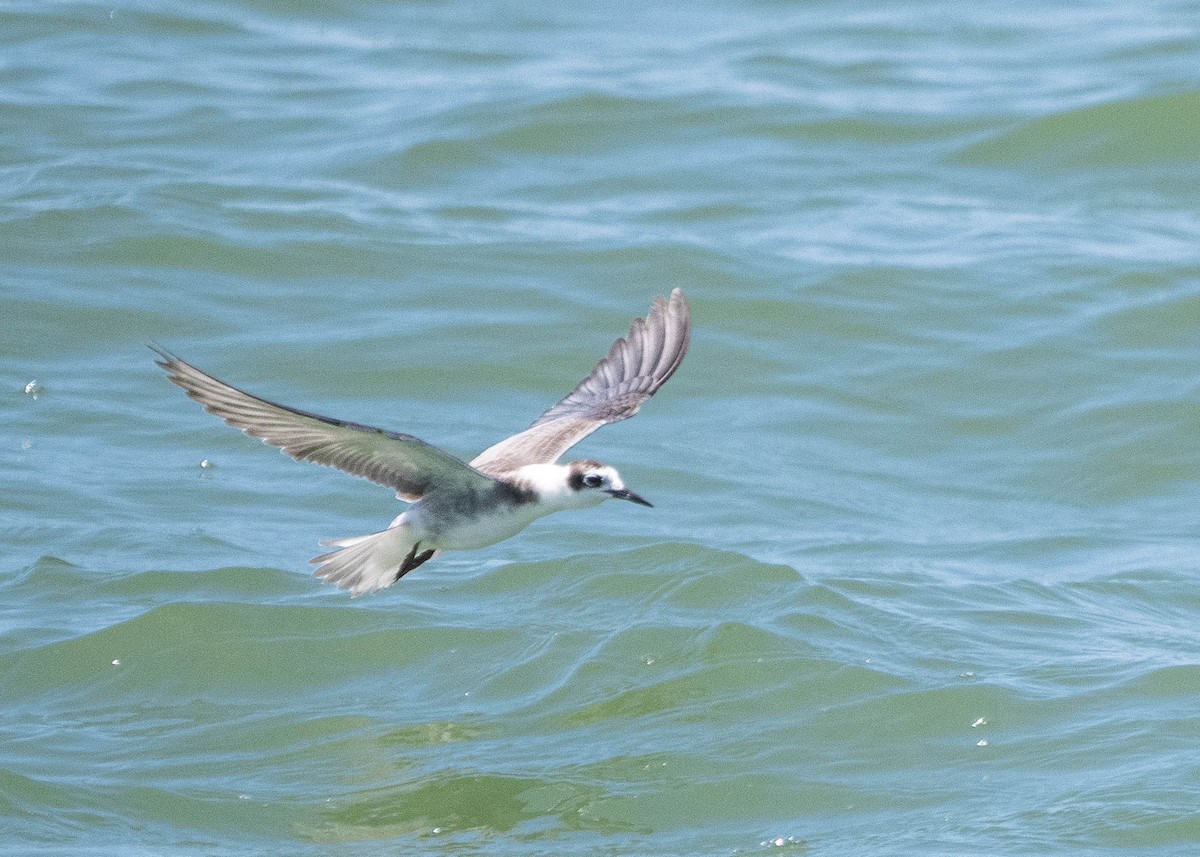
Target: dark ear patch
x=578 y=471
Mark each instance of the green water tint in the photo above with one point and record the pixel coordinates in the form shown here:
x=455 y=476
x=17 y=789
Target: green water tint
x=920 y=575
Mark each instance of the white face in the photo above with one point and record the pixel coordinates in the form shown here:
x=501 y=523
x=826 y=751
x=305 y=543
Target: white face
x=563 y=486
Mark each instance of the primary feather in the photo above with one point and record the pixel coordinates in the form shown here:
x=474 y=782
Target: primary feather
x=635 y=367
x=404 y=463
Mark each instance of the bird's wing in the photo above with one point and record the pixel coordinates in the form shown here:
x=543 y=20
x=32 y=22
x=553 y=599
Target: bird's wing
x=636 y=366
x=404 y=463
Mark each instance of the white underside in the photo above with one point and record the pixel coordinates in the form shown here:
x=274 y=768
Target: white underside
x=372 y=562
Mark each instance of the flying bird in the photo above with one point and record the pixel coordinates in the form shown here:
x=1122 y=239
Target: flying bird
x=455 y=505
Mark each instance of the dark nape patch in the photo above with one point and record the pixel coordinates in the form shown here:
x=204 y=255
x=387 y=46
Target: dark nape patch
x=578 y=471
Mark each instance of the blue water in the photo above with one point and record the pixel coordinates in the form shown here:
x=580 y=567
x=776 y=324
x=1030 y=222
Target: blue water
x=921 y=577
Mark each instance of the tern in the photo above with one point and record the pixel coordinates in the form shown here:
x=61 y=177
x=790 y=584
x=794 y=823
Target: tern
x=455 y=505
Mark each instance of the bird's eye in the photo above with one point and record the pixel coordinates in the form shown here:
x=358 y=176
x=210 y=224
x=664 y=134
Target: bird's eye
x=593 y=481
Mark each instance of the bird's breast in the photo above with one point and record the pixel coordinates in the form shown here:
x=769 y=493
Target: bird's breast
x=473 y=519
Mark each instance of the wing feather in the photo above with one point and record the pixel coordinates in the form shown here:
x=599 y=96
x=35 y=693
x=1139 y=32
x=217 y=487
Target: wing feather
x=635 y=367
x=407 y=464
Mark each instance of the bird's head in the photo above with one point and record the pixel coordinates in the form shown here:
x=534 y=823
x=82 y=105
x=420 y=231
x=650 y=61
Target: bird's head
x=594 y=482
x=577 y=485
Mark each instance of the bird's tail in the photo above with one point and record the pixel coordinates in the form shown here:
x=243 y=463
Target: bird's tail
x=368 y=563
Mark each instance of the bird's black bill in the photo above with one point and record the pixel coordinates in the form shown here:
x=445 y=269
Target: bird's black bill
x=626 y=494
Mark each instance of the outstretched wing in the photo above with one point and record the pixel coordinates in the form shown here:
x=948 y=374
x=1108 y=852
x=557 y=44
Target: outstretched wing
x=636 y=366
x=402 y=462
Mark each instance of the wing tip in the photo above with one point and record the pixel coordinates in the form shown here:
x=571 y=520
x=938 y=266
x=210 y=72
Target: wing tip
x=165 y=357
x=674 y=316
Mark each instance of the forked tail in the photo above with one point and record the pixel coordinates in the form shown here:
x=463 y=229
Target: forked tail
x=368 y=563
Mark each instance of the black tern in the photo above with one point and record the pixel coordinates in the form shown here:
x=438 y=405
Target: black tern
x=456 y=505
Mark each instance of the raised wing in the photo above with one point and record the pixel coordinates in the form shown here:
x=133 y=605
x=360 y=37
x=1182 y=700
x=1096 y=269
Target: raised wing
x=636 y=366
x=402 y=462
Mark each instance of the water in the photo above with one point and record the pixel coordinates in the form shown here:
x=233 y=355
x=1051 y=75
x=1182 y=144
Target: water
x=921 y=575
